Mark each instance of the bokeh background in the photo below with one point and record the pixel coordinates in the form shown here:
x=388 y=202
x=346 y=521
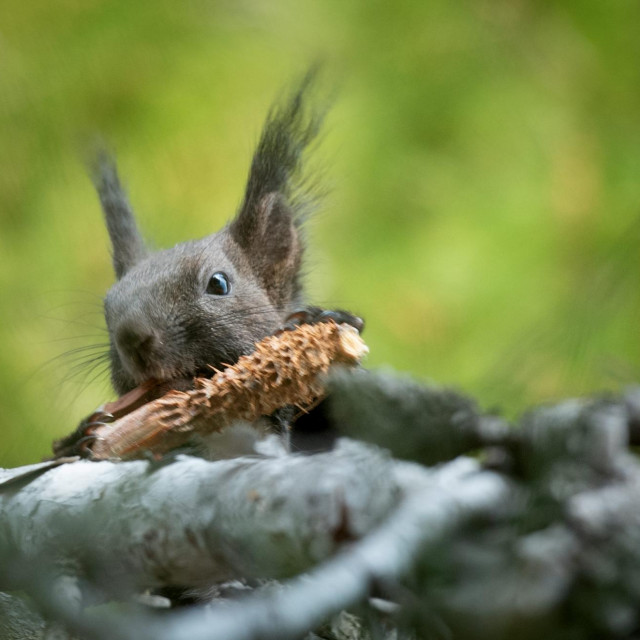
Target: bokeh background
x=482 y=160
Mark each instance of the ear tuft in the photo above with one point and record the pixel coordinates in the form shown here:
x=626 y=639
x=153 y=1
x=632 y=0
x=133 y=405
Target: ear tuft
x=126 y=242
x=279 y=195
x=277 y=166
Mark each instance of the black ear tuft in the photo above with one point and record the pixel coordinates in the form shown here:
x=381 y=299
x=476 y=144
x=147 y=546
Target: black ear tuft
x=127 y=244
x=277 y=164
x=278 y=195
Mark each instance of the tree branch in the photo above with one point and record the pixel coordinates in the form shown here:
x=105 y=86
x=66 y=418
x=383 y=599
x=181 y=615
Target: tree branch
x=546 y=547
x=432 y=505
x=193 y=522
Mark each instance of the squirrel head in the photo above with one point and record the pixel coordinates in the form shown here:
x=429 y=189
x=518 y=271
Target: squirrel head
x=179 y=312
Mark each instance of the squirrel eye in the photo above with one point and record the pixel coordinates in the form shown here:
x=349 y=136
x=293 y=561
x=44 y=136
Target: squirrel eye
x=218 y=284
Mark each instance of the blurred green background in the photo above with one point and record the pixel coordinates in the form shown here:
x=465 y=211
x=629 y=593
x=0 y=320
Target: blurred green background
x=483 y=162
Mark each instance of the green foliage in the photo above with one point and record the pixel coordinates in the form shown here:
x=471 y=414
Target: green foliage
x=483 y=159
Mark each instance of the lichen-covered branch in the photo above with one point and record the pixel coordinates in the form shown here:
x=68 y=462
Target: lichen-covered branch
x=427 y=507
x=192 y=522
x=538 y=537
x=433 y=506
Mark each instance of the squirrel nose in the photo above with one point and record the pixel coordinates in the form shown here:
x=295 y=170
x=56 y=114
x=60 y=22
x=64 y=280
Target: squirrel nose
x=137 y=344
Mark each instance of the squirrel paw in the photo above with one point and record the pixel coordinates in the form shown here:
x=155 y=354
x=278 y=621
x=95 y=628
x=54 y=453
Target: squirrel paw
x=78 y=443
x=314 y=315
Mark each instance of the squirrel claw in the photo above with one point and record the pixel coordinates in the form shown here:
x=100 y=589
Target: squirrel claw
x=314 y=315
x=82 y=446
x=78 y=442
x=96 y=419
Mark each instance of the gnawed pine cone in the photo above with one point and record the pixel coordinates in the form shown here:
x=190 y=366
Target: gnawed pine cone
x=284 y=369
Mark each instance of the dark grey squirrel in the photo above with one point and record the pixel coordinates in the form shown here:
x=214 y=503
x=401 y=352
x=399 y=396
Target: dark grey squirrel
x=176 y=313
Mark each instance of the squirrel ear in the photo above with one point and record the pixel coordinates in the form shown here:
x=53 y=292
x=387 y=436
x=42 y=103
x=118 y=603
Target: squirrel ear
x=126 y=242
x=269 y=237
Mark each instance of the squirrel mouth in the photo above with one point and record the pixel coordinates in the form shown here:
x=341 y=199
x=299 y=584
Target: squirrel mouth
x=169 y=374
x=177 y=380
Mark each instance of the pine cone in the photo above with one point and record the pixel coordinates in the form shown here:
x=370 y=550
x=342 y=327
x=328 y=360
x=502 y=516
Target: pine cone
x=285 y=369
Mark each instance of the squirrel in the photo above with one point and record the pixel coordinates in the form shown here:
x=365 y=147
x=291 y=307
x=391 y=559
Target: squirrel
x=180 y=312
